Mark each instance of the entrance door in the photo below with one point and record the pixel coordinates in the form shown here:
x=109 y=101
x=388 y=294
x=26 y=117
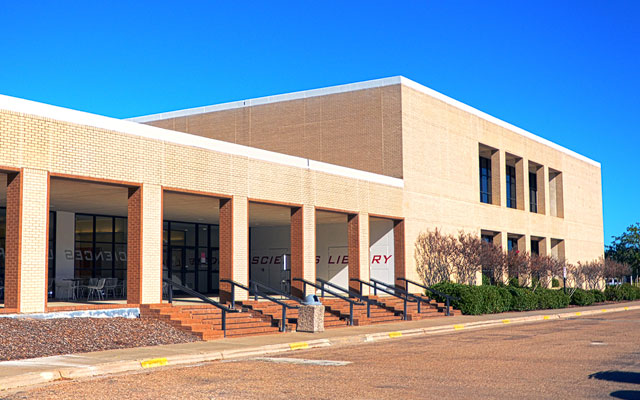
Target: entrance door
x=215 y=270
x=177 y=261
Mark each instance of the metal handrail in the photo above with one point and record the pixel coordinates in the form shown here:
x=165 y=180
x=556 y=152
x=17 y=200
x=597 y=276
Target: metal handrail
x=375 y=289
x=447 y=297
x=257 y=293
x=339 y=296
x=418 y=299
x=170 y=284
x=349 y=292
x=257 y=284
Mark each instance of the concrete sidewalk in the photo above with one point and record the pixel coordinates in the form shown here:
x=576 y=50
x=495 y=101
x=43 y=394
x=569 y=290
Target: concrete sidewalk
x=19 y=373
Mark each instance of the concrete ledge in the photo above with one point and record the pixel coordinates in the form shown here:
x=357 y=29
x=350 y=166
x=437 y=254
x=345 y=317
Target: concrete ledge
x=180 y=356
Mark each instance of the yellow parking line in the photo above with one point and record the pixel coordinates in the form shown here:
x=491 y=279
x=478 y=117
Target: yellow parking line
x=546 y=317
x=154 y=362
x=506 y=321
x=458 y=327
x=395 y=334
x=603 y=310
x=578 y=313
x=298 y=345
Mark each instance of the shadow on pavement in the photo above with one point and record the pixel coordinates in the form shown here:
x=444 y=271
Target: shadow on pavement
x=617 y=376
x=626 y=394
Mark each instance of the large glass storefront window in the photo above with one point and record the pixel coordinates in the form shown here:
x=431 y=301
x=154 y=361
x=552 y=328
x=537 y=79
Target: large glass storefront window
x=101 y=246
x=190 y=255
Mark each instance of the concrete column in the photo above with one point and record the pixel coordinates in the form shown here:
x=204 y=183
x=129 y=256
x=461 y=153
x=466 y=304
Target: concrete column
x=234 y=246
x=399 y=265
x=144 y=245
x=27 y=241
x=542 y=176
x=297 y=251
x=498 y=172
x=500 y=240
x=358 y=242
x=522 y=184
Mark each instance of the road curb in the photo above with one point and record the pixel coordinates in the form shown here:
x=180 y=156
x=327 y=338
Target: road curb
x=35 y=378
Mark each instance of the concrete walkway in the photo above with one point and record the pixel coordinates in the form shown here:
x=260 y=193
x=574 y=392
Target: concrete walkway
x=14 y=374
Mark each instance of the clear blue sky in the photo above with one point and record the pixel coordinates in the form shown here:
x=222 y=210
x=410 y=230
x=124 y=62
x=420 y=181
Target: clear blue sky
x=568 y=71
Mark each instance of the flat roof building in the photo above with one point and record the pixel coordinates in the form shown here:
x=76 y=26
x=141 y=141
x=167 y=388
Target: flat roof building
x=334 y=183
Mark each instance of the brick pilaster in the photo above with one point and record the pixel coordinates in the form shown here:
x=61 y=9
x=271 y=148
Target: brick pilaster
x=358 y=242
x=226 y=248
x=12 y=243
x=134 y=246
x=398 y=252
x=297 y=251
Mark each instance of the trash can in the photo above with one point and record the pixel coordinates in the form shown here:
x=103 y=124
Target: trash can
x=311 y=315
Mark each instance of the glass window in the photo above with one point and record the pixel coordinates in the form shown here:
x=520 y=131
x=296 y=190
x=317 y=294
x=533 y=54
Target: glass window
x=485 y=180
x=487 y=238
x=214 y=237
x=84 y=228
x=120 y=230
x=512 y=244
x=203 y=235
x=511 y=187
x=104 y=229
x=535 y=247
x=533 y=192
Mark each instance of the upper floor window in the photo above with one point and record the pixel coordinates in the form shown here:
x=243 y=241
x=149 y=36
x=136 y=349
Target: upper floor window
x=485 y=180
x=512 y=244
x=533 y=192
x=511 y=187
x=535 y=247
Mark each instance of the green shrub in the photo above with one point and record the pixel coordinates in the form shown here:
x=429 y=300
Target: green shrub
x=475 y=300
x=523 y=299
x=582 y=298
x=548 y=299
x=486 y=281
x=555 y=282
x=513 y=281
x=622 y=292
x=598 y=295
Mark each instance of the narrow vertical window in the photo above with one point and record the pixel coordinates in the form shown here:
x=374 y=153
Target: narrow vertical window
x=485 y=180
x=535 y=247
x=533 y=192
x=511 y=187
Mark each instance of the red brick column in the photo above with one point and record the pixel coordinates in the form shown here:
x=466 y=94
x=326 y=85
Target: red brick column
x=134 y=246
x=398 y=252
x=353 y=241
x=12 y=242
x=226 y=248
x=297 y=251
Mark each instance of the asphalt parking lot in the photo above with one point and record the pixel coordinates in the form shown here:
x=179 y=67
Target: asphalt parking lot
x=586 y=357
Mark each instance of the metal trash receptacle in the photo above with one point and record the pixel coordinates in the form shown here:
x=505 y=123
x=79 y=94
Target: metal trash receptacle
x=311 y=300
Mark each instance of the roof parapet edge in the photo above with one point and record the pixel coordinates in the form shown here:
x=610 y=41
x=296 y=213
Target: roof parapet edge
x=23 y=106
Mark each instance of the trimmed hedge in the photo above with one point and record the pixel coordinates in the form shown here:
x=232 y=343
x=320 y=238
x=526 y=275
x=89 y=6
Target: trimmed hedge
x=583 y=298
x=598 y=295
x=475 y=300
x=622 y=292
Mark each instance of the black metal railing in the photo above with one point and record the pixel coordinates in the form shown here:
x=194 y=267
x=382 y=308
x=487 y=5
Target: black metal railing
x=269 y=290
x=337 y=295
x=419 y=300
x=385 y=290
x=257 y=293
x=447 y=297
x=171 y=285
x=350 y=293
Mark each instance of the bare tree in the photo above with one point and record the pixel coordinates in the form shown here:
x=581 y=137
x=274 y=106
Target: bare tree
x=492 y=260
x=435 y=256
x=518 y=266
x=467 y=257
x=615 y=270
x=593 y=272
x=544 y=268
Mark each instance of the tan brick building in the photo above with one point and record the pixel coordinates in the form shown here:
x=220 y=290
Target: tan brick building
x=332 y=183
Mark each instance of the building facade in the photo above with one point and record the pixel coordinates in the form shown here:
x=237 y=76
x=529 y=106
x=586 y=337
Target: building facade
x=333 y=183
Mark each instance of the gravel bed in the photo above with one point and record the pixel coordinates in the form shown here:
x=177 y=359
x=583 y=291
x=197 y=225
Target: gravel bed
x=28 y=338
